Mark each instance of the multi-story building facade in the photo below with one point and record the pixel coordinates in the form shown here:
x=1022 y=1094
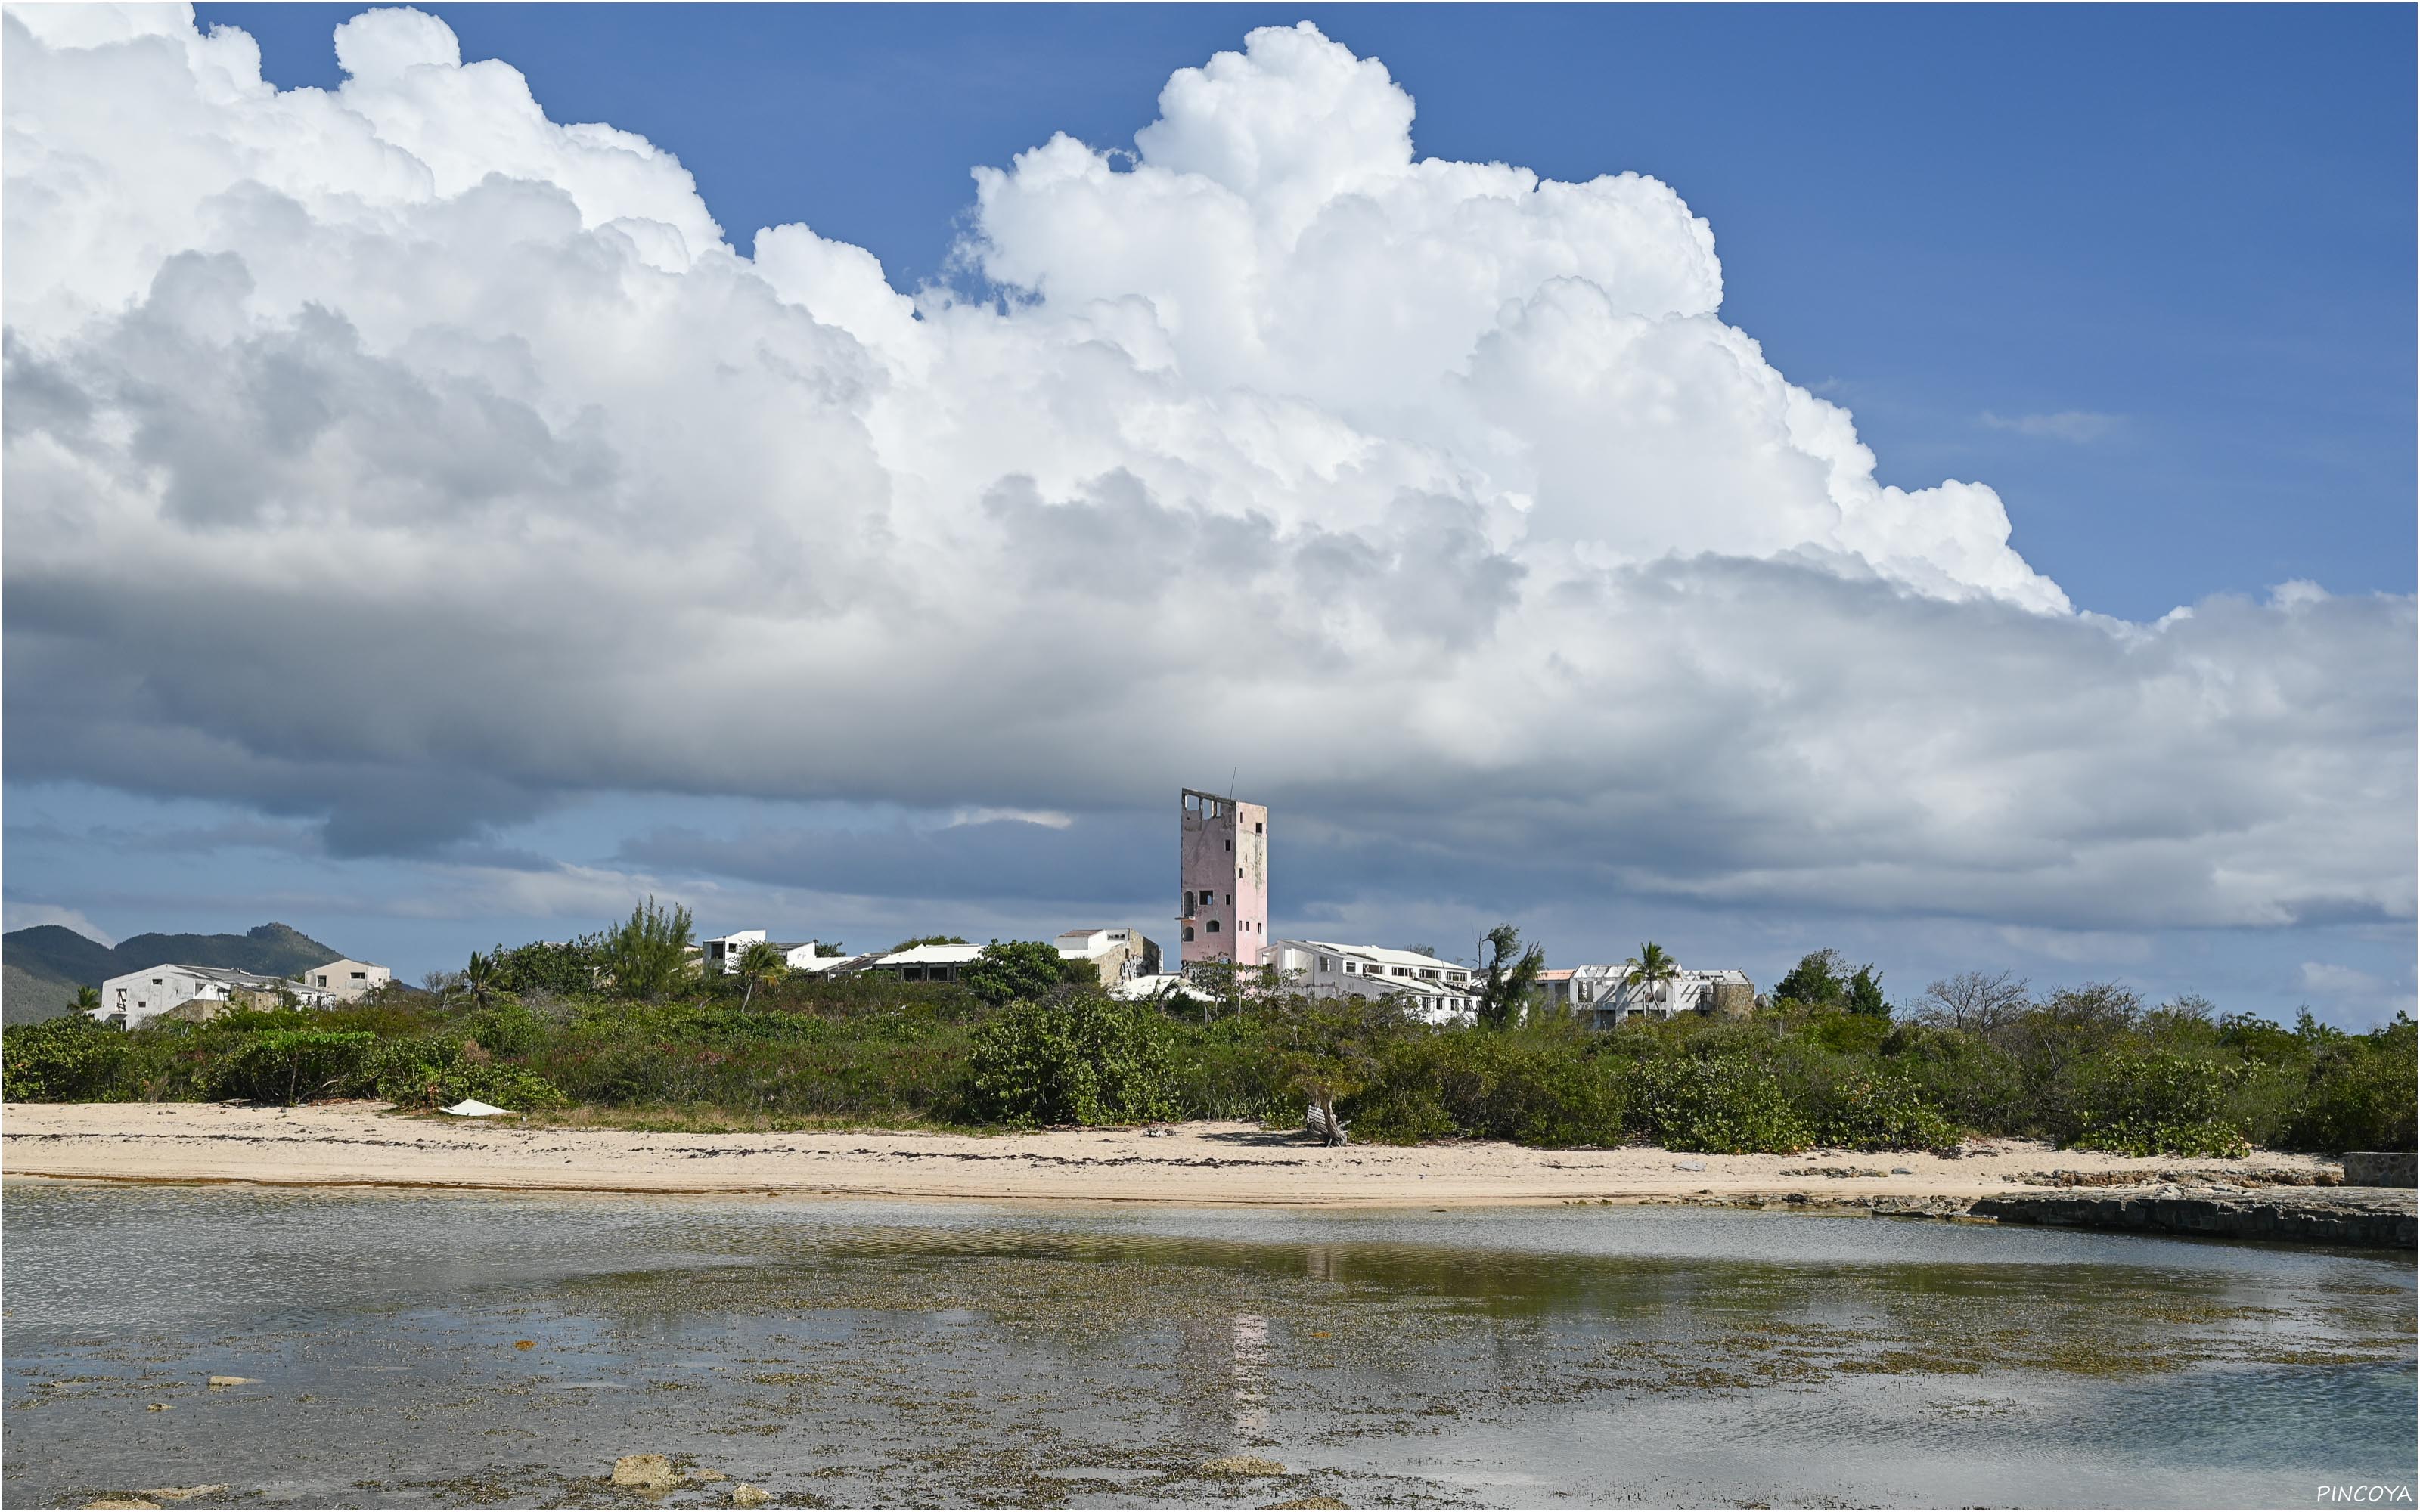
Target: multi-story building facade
x=1438 y=990
x=1604 y=995
x=135 y=999
x=1223 y=867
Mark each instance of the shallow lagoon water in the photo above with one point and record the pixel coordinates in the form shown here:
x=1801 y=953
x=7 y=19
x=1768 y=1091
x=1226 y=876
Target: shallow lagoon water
x=889 y=1352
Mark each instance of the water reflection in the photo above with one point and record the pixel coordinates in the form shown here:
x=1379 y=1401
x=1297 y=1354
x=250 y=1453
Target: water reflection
x=1248 y=1422
x=877 y=1354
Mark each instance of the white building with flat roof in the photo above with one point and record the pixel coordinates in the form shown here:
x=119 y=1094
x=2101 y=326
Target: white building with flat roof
x=135 y=999
x=723 y=954
x=926 y=962
x=348 y=980
x=1438 y=990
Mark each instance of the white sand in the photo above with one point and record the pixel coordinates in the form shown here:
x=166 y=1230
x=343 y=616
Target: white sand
x=364 y=1145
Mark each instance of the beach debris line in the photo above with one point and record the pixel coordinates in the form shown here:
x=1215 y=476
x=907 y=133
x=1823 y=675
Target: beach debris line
x=183 y=1493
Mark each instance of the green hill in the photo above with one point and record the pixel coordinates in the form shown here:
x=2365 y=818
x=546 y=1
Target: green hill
x=41 y=967
x=276 y=950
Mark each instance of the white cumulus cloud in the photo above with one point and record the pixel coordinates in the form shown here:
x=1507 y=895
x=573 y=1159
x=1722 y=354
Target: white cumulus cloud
x=399 y=458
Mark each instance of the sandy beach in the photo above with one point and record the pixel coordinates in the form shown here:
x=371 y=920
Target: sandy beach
x=1212 y=1163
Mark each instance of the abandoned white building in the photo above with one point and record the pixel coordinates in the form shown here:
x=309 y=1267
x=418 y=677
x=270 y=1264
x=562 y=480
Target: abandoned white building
x=1118 y=954
x=348 y=980
x=1605 y=996
x=1438 y=990
x=922 y=963
x=136 y=999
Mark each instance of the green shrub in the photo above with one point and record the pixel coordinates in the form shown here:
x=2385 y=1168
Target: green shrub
x=1477 y=1082
x=290 y=1065
x=542 y=966
x=1083 y=1060
x=2160 y=1103
x=507 y=1028
x=1847 y=1032
x=2360 y=1094
x=437 y=1072
x=1022 y=969
x=74 y=1058
x=1721 y=1105
x=1881 y=1111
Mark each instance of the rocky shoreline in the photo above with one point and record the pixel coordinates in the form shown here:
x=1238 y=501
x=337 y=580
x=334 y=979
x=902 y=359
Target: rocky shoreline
x=2358 y=1217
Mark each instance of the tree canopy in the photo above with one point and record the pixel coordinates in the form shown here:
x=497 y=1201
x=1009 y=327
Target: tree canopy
x=1508 y=978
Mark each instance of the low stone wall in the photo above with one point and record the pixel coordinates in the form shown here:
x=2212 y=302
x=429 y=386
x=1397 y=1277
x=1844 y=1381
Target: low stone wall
x=2378 y=1167
x=2371 y=1218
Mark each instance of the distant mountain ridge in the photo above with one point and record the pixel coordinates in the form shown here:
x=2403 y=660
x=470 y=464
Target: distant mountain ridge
x=46 y=964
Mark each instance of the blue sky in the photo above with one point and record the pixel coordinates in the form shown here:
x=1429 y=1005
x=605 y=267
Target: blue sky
x=2147 y=272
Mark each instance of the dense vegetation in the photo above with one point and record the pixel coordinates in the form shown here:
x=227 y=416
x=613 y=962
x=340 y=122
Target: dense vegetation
x=600 y=1028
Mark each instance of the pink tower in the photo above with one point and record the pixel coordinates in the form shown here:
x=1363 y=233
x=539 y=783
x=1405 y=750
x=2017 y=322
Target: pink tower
x=1223 y=861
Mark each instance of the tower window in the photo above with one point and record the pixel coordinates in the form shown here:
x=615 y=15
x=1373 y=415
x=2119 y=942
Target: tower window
x=1189 y=932
x=1212 y=926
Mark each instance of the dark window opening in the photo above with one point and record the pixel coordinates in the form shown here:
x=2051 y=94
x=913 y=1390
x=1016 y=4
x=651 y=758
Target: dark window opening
x=1214 y=925
x=1189 y=932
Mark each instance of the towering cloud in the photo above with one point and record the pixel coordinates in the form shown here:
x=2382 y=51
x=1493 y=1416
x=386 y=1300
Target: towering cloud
x=401 y=459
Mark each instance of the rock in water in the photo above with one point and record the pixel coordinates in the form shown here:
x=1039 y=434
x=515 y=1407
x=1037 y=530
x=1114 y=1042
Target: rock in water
x=708 y=1475
x=744 y=1494
x=646 y=1473
x=1242 y=1465
x=233 y=1380
x=124 y=1502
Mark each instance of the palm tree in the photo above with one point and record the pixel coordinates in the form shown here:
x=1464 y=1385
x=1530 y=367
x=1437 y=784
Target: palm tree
x=87 y=1000
x=759 y=962
x=480 y=977
x=1649 y=969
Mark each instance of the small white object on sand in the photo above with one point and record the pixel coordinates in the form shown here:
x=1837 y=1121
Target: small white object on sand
x=471 y=1107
